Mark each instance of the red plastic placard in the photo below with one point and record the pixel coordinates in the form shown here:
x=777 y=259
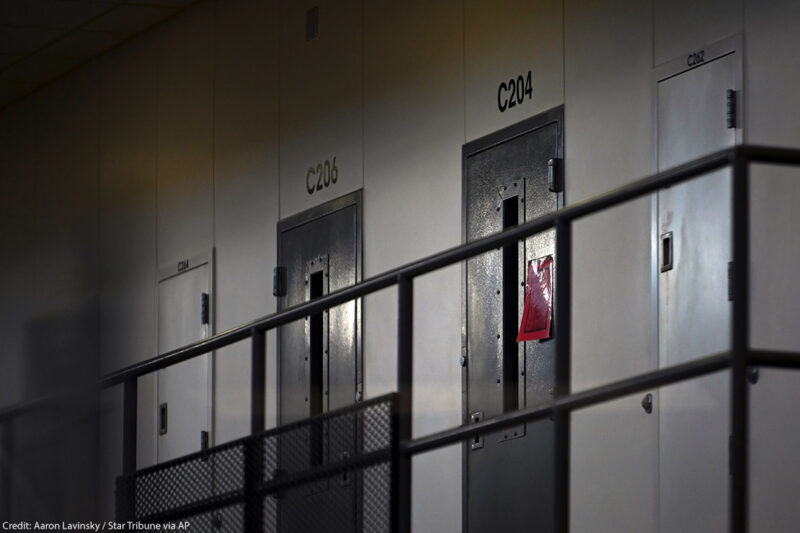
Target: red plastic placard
x=538 y=312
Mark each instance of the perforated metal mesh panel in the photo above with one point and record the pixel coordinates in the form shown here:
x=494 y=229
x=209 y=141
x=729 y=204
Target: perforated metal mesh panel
x=329 y=473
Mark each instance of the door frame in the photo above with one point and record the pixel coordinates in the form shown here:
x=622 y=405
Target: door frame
x=677 y=66
x=674 y=67
x=552 y=115
x=171 y=270
x=354 y=198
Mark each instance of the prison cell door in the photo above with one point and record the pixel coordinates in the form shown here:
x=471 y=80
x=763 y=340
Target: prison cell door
x=694 y=241
x=509 y=177
x=319 y=359
x=183 y=403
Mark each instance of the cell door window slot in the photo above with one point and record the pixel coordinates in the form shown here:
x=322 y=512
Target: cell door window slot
x=510 y=293
x=316 y=364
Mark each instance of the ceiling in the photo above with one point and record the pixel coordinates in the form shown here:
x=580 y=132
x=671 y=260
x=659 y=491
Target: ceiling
x=42 y=39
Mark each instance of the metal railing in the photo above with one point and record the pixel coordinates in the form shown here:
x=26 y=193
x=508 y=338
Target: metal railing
x=737 y=358
x=236 y=486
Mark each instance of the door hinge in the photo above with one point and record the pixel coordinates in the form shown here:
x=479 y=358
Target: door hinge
x=477 y=442
x=204 y=314
x=204 y=444
x=279 y=281
x=730 y=106
x=553 y=175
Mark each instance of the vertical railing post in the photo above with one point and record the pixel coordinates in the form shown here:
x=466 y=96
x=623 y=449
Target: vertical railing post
x=405 y=369
x=562 y=326
x=126 y=501
x=258 y=365
x=254 y=450
x=7 y=458
x=740 y=342
x=129 y=415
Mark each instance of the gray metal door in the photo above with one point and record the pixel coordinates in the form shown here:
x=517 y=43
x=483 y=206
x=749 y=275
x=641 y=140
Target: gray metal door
x=694 y=311
x=509 y=475
x=319 y=359
x=183 y=391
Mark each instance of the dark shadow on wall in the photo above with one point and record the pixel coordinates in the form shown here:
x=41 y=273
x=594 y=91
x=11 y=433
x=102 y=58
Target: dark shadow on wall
x=51 y=456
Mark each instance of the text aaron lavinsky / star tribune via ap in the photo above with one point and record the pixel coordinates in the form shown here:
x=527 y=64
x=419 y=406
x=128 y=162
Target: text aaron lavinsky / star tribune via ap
x=93 y=526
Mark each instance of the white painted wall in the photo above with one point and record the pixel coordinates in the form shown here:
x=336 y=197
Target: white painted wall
x=772 y=113
x=185 y=135
x=200 y=133
x=683 y=26
x=320 y=100
x=18 y=150
x=501 y=41
x=127 y=241
x=413 y=134
x=18 y=270
x=50 y=233
x=245 y=194
x=609 y=140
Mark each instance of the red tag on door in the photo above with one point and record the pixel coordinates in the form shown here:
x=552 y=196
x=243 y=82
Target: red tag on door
x=538 y=311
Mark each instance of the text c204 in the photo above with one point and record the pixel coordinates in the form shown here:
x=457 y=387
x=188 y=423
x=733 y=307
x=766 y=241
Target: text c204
x=514 y=91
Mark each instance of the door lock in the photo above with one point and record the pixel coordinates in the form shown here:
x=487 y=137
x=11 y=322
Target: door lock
x=279 y=281
x=477 y=442
x=344 y=480
x=647 y=403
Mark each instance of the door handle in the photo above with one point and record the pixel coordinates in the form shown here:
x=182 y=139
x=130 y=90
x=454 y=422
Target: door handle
x=666 y=251
x=162 y=419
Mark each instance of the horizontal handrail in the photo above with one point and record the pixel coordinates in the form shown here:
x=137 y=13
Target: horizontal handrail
x=255 y=454
x=405 y=446
x=768 y=154
x=439 y=260
x=773 y=358
x=430 y=263
x=577 y=400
